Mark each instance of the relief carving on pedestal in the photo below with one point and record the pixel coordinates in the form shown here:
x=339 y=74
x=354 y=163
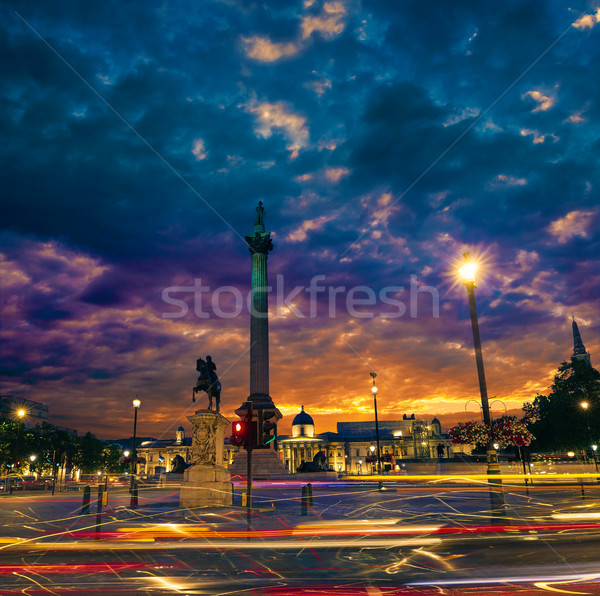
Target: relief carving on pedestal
x=204 y=447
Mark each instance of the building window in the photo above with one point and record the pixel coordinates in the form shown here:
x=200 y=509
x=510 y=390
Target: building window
x=358 y=453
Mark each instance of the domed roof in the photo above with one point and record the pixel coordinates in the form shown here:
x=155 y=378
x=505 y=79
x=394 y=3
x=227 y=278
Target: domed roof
x=435 y=421
x=302 y=418
x=180 y=428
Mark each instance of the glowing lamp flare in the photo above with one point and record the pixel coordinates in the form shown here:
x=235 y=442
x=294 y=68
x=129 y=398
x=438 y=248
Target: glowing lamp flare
x=468 y=271
x=137 y=403
x=584 y=405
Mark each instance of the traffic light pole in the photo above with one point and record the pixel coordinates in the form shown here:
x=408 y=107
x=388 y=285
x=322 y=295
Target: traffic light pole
x=249 y=443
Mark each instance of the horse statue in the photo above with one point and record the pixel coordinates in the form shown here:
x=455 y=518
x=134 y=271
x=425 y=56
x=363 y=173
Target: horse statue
x=208 y=381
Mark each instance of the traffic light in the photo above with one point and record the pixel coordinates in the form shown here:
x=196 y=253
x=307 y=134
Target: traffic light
x=267 y=425
x=238 y=435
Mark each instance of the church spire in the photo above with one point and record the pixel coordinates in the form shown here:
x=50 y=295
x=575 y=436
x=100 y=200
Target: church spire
x=579 y=350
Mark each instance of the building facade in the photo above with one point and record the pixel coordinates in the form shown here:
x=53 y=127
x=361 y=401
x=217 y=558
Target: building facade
x=350 y=450
x=353 y=448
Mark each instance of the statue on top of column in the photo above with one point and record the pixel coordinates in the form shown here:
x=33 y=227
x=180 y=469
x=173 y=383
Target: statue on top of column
x=259 y=223
x=260 y=214
x=208 y=381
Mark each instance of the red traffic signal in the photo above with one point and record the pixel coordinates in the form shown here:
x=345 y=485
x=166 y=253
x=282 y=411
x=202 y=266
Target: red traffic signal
x=238 y=435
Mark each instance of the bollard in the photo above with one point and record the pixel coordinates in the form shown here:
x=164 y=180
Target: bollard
x=304 y=501
x=309 y=494
x=134 y=497
x=85 y=502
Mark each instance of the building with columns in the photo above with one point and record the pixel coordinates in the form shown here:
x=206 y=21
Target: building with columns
x=352 y=449
x=347 y=451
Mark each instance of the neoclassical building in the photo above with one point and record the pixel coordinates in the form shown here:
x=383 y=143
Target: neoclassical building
x=352 y=448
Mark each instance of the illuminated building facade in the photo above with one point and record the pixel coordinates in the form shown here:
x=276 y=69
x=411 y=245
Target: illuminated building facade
x=351 y=450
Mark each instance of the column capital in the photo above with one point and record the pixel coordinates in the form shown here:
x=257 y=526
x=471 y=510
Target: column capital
x=259 y=242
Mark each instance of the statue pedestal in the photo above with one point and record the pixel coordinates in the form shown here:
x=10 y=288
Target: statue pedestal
x=266 y=465
x=207 y=482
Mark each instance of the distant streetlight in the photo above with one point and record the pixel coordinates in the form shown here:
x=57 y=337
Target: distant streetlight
x=126 y=453
x=136 y=406
x=32 y=458
x=374 y=392
x=585 y=405
x=467 y=272
x=20 y=415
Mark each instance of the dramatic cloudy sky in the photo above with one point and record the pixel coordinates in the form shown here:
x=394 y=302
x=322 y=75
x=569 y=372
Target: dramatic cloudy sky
x=384 y=138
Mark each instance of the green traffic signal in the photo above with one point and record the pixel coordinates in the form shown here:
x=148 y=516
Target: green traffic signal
x=268 y=425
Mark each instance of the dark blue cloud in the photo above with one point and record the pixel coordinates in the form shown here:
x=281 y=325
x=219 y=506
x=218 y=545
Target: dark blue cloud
x=387 y=139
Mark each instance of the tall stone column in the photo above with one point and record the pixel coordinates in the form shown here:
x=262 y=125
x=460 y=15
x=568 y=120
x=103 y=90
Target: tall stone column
x=265 y=461
x=260 y=244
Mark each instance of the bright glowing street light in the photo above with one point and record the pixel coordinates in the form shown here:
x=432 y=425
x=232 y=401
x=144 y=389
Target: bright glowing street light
x=32 y=458
x=21 y=414
x=468 y=270
x=584 y=405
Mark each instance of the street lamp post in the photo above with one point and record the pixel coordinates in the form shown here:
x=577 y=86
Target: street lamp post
x=585 y=405
x=136 y=406
x=374 y=392
x=467 y=272
x=20 y=415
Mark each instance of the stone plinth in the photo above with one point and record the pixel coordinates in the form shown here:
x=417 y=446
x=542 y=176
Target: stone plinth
x=265 y=465
x=207 y=482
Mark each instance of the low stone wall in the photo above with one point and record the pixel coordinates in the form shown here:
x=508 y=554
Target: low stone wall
x=457 y=467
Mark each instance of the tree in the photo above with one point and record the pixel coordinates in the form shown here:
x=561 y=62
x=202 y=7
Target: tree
x=90 y=454
x=557 y=420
